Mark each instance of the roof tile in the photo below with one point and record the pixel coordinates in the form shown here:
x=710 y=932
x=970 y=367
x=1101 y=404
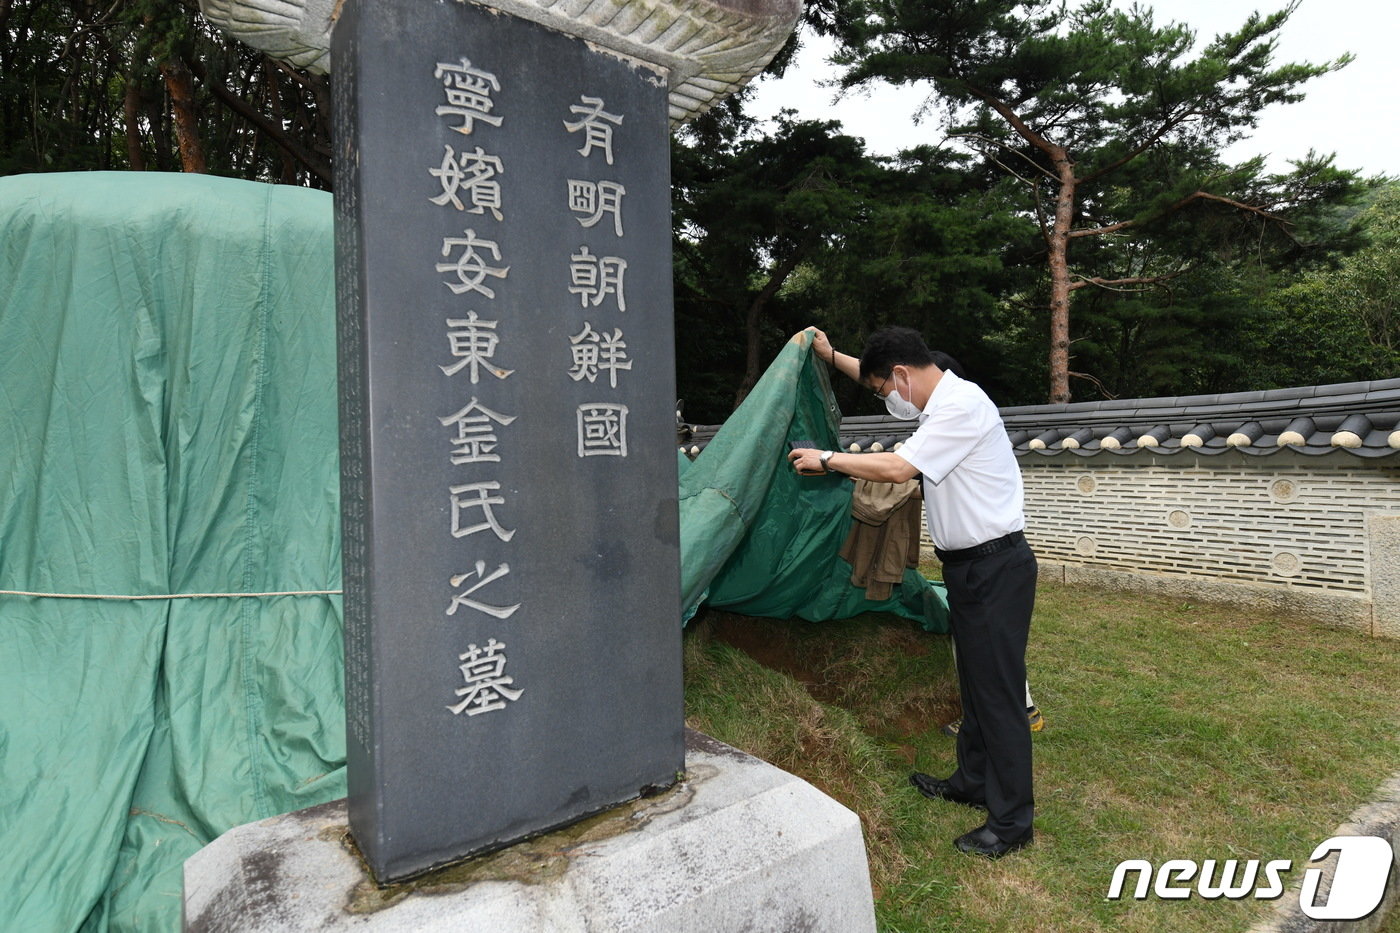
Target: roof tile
x=1314 y=413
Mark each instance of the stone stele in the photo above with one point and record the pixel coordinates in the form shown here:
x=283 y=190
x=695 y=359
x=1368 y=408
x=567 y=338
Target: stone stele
x=737 y=846
x=709 y=48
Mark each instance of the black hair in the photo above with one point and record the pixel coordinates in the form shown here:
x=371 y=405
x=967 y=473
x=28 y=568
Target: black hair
x=946 y=363
x=889 y=347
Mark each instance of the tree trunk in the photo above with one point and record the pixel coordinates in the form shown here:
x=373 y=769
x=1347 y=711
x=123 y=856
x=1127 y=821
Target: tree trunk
x=1059 y=277
x=290 y=169
x=752 y=347
x=131 y=111
x=157 y=115
x=753 y=332
x=181 y=87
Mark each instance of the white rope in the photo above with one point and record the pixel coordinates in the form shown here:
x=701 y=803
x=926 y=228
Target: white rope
x=172 y=595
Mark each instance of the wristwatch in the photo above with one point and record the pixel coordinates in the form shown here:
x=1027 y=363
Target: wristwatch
x=825 y=457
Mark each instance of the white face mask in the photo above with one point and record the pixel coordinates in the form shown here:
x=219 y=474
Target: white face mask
x=900 y=407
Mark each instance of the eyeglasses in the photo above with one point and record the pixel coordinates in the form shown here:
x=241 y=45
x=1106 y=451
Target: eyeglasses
x=880 y=392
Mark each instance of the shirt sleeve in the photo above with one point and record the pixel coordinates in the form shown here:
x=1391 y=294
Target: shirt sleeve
x=946 y=437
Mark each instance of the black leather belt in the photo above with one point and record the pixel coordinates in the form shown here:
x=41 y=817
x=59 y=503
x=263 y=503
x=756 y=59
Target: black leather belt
x=985 y=549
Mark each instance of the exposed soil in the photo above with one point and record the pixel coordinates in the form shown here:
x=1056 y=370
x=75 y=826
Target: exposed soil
x=767 y=642
x=788 y=647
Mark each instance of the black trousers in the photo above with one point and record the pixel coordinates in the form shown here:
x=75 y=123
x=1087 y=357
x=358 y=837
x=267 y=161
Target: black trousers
x=990 y=600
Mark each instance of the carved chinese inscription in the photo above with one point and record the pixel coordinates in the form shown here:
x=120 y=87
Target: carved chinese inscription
x=509 y=481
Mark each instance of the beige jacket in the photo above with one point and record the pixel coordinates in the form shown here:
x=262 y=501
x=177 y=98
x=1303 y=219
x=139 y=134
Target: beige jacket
x=884 y=536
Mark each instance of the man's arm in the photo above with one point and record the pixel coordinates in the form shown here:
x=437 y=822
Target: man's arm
x=821 y=346
x=881 y=468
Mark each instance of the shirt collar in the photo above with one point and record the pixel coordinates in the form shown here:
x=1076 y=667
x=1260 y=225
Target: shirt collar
x=941 y=392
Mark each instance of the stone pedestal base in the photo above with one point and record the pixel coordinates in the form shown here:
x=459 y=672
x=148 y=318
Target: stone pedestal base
x=738 y=845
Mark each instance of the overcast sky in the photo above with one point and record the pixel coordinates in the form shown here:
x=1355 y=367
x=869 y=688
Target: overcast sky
x=1354 y=112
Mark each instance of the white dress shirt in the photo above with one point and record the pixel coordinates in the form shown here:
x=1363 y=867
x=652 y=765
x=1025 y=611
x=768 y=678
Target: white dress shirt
x=972 y=483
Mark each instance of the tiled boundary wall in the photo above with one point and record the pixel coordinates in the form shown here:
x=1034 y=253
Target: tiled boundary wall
x=1317 y=536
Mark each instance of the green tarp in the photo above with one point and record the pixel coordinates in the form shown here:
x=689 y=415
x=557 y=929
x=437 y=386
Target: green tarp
x=758 y=539
x=167 y=432
x=170 y=653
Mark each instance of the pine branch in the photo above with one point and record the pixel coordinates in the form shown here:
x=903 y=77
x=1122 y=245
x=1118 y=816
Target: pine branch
x=1112 y=284
x=1014 y=120
x=1096 y=381
x=1152 y=140
x=317 y=166
x=996 y=142
x=1197 y=196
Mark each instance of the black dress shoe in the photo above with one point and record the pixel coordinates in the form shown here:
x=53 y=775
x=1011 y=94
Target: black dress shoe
x=938 y=789
x=982 y=841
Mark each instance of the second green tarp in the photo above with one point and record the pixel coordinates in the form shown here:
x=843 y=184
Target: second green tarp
x=756 y=538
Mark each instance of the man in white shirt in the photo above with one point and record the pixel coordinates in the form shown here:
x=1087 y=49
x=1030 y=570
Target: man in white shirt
x=974 y=502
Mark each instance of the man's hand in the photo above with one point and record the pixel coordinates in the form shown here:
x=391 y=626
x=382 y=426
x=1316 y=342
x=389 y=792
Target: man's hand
x=823 y=350
x=821 y=346
x=806 y=461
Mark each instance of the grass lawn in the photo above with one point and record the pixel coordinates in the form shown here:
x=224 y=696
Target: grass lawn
x=1173 y=731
